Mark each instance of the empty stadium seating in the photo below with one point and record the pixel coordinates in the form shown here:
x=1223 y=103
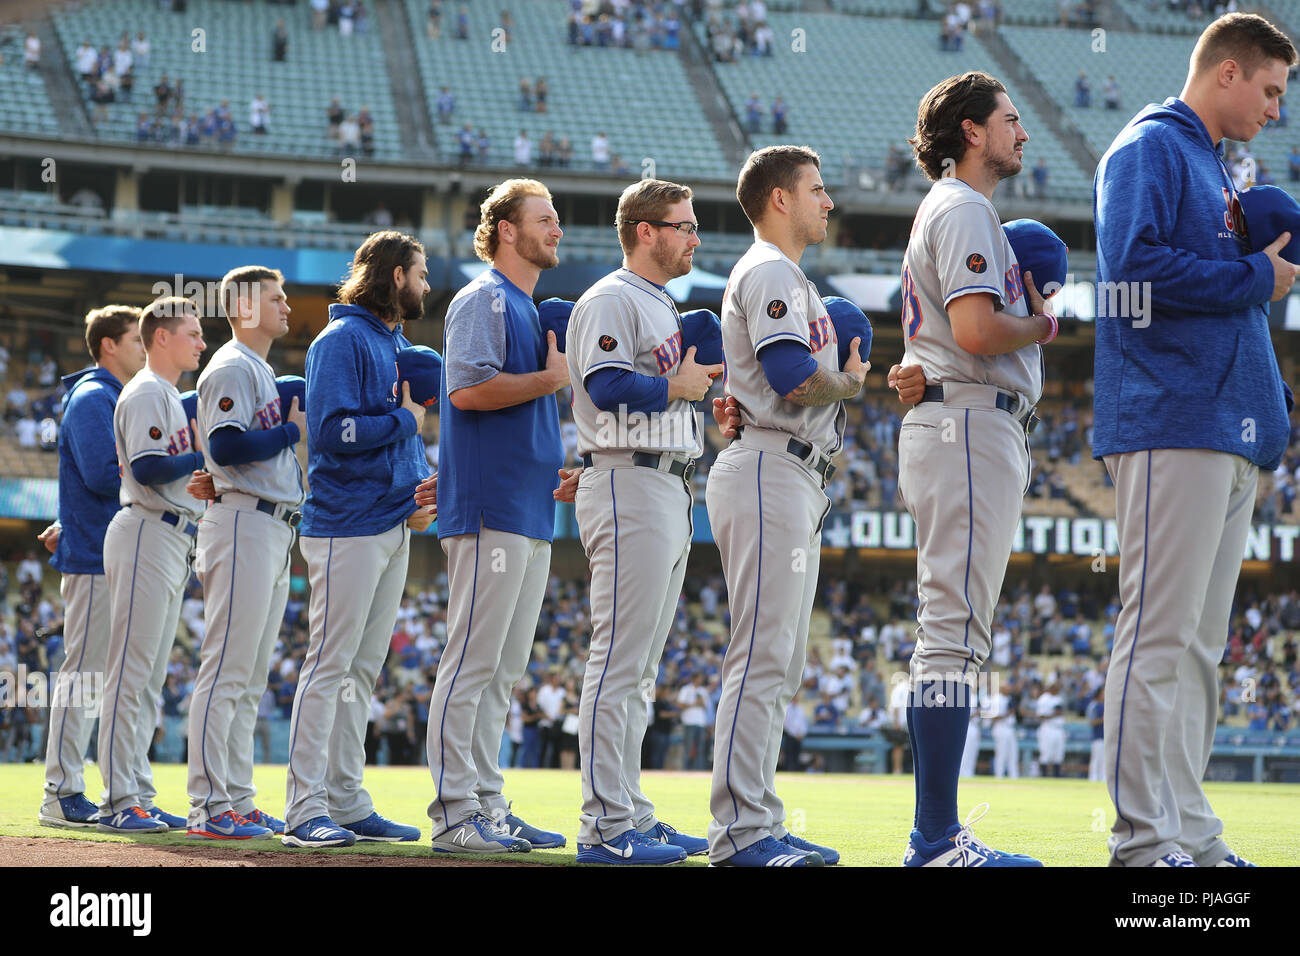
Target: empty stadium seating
x=235 y=64
x=643 y=102
x=878 y=102
x=24 y=105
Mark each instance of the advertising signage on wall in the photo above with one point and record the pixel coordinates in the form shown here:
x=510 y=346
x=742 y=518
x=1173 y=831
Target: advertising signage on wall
x=1038 y=534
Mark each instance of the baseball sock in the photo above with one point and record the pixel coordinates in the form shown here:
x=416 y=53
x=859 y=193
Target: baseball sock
x=916 y=768
x=939 y=713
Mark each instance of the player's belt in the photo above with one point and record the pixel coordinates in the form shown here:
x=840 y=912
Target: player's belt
x=770 y=439
x=286 y=513
x=1007 y=401
x=679 y=468
x=181 y=523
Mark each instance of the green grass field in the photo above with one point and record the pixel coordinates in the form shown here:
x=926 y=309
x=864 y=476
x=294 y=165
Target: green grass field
x=867 y=818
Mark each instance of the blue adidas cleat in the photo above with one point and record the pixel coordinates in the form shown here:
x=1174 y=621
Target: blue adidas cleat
x=74 y=812
x=130 y=822
x=376 y=829
x=171 y=820
x=772 y=852
x=662 y=832
x=318 y=832
x=959 y=847
x=266 y=820
x=540 y=839
x=227 y=826
x=631 y=848
x=829 y=857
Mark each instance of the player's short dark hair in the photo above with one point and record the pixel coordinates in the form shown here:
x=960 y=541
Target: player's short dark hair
x=772 y=167
x=502 y=205
x=165 y=313
x=1247 y=38
x=369 y=282
x=645 y=199
x=939 y=136
x=238 y=280
x=109 y=322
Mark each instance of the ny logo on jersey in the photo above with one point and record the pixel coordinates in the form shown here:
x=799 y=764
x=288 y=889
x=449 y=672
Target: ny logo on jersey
x=269 y=416
x=820 y=333
x=669 y=353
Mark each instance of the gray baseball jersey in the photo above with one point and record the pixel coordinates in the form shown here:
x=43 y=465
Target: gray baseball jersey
x=958 y=248
x=627 y=322
x=150 y=420
x=623 y=510
x=238 y=390
x=769 y=299
x=242 y=559
x=766 y=508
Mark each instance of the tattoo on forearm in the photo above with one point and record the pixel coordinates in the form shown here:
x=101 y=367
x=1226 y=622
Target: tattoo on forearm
x=824 y=388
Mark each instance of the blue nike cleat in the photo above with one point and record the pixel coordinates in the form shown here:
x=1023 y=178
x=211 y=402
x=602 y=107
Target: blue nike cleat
x=171 y=821
x=266 y=820
x=375 y=829
x=772 y=852
x=74 y=812
x=540 y=839
x=662 y=832
x=631 y=848
x=959 y=847
x=227 y=826
x=130 y=822
x=318 y=832
x=829 y=856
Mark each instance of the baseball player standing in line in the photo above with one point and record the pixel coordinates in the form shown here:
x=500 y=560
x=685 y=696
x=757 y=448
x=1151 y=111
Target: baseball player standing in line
x=88 y=498
x=1096 y=714
x=765 y=496
x=147 y=560
x=963 y=454
x=365 y=459
x=499 y=450
x=242 y=556
x=1189 y=405
x=1050 y=710
x=632 y=394
x=1006 y=748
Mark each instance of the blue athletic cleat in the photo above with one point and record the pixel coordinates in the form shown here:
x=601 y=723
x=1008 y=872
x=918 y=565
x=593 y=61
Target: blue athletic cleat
x=171 y=821
x=662 y=832
x=375 y=829
x=540 y=839
x=318 y=831
x=1233 y=860
x=1177 y=858
x=772 y=852
x=74 y=812
x=631 y=848
x=959 y=847
x=829 y=857
x=130 y=822
x=228 y=826
x=266 y=820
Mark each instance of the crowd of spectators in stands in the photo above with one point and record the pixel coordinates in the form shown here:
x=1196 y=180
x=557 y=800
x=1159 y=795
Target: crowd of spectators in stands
x=33 y=421
x=350 y=132
x=345 y=15
x=633 y=24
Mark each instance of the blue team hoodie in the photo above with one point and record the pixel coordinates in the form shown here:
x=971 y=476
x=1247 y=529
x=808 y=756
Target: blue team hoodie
x=1203 y=373
x=365 y=455
x=88 y=477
